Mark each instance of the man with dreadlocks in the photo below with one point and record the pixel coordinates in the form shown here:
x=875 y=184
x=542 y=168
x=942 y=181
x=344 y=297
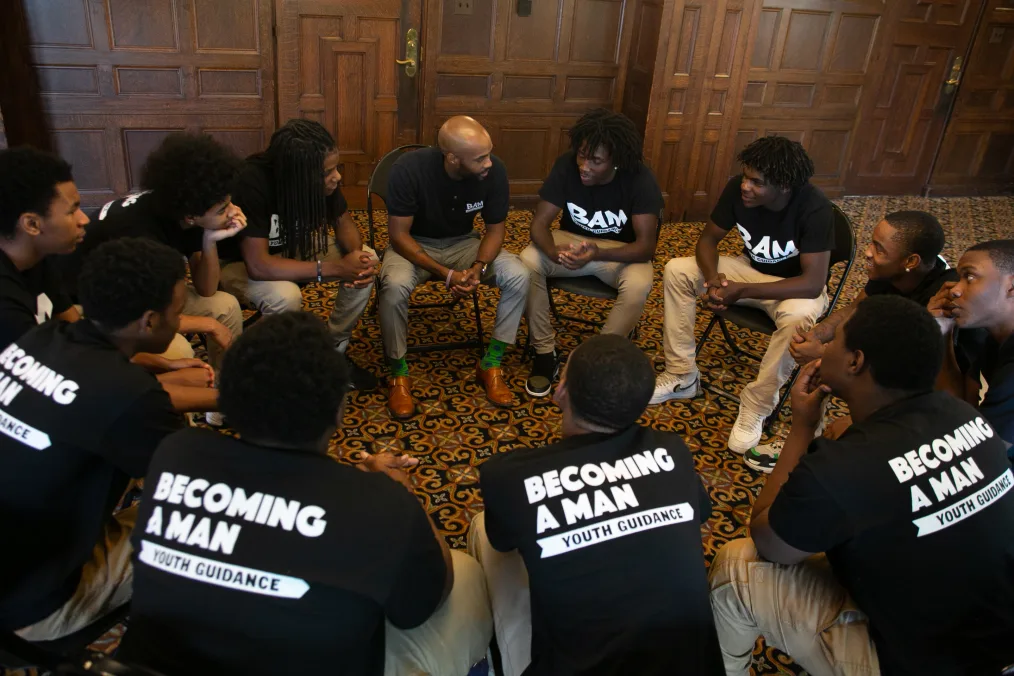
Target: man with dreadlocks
x=610 y=202
x=294 y=205
x=787 y=227
x=433 y=197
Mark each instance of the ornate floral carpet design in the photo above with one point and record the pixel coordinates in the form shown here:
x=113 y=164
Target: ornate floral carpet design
x=457 y=429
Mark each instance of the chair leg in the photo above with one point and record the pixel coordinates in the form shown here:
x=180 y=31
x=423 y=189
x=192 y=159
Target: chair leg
x=704 y=336
x=478 y=324
x=730 y=341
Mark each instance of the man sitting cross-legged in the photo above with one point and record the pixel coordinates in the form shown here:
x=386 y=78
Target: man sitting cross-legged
x=250 y=556
x=77 y=420
x=610 y=203
x=606 y=524
x=433 y=197
x=788 y=232
x=912 y=505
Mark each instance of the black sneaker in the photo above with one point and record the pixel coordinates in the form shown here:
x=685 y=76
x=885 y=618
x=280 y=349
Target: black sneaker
x=362 y=380
x=764 y=457
x=544 y=370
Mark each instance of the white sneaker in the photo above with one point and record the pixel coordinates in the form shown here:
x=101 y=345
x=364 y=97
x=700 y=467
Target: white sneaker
x=214 y=418
x=747 y=431
x=669 y=386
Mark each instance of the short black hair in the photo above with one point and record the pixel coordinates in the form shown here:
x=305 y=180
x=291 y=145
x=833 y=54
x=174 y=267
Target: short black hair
x=283 y=380
x=609 y=381
x=783 y=162
x=28 y=180
x=124 y=278
x=188 y=174
x=900 y=341
x=614 y=131
x=920 y=233
x=1001 y=252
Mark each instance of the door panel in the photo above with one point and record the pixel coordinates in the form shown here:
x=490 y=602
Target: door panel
x=336 y=65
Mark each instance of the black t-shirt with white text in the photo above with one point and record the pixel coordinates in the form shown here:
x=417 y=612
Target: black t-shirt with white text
x=251 y=560
x=995 y=364
x=29 y=297
x=601 y=211
x=773 y=240
x=77 y=420
x=440 y=206
x=256 y=194
x=609 y=529
x=915 y=511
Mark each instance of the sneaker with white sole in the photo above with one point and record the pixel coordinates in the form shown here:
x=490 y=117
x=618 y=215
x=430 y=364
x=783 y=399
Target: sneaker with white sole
x=670 y=386
x=747 y=431
x=214 y=418
x=763 y=457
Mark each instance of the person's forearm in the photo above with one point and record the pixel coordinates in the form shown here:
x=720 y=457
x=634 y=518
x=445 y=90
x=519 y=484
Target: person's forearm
x=824 y=332
x=542 y=237
x=635 y=252
x=191 y=399
x=154 y=363
x=192 y=324
x=783 y=289
x=707 y=258
x=950 y=378
x=281 y=269
x=492 y=241
x=410 y=250
x=206 y=271
x=347 y=236
x=792 y=452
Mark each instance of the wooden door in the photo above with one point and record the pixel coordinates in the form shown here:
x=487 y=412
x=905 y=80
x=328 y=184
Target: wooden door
x=117 y=76
x=641 y=65
x=977 y=154
x=903 y=116
x=336 y=65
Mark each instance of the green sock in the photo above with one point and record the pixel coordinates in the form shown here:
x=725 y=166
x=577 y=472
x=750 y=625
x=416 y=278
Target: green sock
x=399 y=367
x=494 y=354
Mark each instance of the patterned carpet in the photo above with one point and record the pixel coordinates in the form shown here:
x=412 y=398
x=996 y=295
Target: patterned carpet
x=458 y=429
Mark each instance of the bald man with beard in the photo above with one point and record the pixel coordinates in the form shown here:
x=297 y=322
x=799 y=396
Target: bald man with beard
x=434 y=195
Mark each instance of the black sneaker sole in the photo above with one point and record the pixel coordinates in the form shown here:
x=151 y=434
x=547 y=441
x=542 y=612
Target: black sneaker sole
x=539 y=393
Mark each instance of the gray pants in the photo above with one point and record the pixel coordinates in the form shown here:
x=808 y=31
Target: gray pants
x=398 y=277
x=273 y=297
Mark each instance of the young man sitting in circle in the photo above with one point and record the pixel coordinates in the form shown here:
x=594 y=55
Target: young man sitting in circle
x=787 y=227
x=249 y=559
x=610 y=202
x=912 y=506
x=608 y=574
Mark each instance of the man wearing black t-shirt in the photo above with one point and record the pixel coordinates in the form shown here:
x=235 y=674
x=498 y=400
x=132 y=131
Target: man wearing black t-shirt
x=433 y=196
x=77 y=421
x=186 y=204
x=40 y=216
x=983 y=299
x=607 y=523
x=902 y=258
x=787 y=227
x=610 y=204
x=248 y=560
x=912 y=505
x=300 y=231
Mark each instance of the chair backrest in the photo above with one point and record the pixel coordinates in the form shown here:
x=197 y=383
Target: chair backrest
x=378 y=184
x=844 y=251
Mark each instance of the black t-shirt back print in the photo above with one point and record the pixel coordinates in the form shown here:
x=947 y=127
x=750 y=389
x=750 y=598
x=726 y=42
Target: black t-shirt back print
x=609 y=529
x=601 y=211
x=29 y=297
x=914 y=506
x=773 y=240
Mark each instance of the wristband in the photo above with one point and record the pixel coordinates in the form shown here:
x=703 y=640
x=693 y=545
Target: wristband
x=450 y=273
x=320 y=277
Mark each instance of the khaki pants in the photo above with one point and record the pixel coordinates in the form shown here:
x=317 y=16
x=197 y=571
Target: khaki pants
x=632 y=282
x=106 y=583
x=222 y=307
x=802 y=610
x=683 y=283
x=273 y=297
x=455 y=637
x=398 y=277
x=509 y=597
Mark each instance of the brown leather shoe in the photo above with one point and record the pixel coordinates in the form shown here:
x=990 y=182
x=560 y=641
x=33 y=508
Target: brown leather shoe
x=399 y=397
x=496 y=387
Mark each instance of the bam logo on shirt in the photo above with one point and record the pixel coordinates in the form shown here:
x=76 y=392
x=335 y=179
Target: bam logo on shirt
x=600 y=223
x=473 y=206
x=275 y=236
x=767 y=250
x=43 y=308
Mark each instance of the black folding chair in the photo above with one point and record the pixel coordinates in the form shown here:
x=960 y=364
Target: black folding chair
x=378 y=186
x=844 y=251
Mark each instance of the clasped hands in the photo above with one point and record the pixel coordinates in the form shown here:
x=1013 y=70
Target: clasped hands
x=355 y=270
x=720 y=293
x=463 y=283
x=576 y=256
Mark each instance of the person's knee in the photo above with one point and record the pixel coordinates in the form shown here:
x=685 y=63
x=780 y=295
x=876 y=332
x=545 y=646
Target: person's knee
x=512 y=275
x=227 y=309
x=395 y=286
x=798 y=312
x=682 y=269
x=635 y=283
x=730 y=560
x=532 y=258
x=285 y=297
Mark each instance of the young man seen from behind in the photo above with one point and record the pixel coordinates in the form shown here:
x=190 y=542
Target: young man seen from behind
x=247 y=560
x=787 y=227
x=606 y=528
x=80 y=420
x=912 y=506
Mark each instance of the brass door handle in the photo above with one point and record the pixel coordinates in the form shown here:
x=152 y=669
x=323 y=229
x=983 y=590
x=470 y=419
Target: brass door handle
x=955 y=78
x=411 y=52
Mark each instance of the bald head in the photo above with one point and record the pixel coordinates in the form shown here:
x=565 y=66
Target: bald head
x=467 y=146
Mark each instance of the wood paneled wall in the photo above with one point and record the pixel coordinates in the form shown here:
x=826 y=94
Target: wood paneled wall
x=527 y=79
x=117 y=76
